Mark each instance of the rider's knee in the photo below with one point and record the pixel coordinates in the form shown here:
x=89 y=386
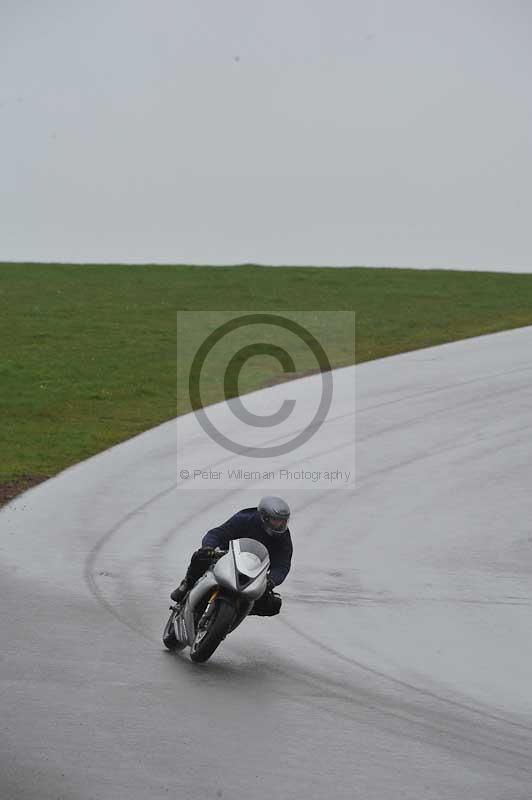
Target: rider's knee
x=268 y=605
x=199 y=563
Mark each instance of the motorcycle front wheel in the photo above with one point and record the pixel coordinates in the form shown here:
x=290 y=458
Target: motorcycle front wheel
x=217 y=627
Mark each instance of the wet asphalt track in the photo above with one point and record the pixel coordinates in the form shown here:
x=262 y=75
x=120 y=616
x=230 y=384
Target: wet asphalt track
x=400 y=666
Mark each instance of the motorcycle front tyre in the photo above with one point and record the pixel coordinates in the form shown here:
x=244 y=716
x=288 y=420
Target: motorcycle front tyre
x=217 y=629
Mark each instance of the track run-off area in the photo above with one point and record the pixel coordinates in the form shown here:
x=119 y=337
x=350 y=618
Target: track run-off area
x=400 y=664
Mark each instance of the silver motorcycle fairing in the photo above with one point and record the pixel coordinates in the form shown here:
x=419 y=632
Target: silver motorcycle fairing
x=235 y=572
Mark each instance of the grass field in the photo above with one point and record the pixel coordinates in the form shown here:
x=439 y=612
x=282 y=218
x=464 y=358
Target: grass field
x=89 y=352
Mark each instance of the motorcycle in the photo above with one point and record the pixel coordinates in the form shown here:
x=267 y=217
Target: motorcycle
x=220 y=600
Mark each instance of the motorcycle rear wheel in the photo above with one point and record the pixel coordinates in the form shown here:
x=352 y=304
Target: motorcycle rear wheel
x=218 y=626
x=169 y=638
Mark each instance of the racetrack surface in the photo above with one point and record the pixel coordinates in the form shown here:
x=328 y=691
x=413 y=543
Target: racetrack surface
x=399 y=666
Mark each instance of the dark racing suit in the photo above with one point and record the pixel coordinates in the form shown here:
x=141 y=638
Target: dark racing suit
x=247 y=524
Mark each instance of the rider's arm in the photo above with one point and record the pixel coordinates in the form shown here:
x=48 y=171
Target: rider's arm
x=233 y=528
x=280 y=562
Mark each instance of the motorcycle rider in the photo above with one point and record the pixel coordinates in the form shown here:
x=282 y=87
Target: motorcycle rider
x=268 y=524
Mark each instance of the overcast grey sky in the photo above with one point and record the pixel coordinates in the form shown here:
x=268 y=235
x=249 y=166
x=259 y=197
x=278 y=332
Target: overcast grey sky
x=286 y=131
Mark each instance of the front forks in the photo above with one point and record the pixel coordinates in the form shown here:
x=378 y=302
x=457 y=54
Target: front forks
x=207 y=614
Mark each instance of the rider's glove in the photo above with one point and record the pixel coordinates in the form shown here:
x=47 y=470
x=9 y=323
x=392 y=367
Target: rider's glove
x=203 y=556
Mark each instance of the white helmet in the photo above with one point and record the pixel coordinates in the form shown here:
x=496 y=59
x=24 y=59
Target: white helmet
x=274 y=514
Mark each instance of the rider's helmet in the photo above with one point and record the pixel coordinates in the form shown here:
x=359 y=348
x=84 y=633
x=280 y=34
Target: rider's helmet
x=274 y=514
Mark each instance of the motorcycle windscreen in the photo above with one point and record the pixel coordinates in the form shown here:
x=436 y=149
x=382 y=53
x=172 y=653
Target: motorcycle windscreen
x=251 y=546
x=244 y=568
x=252 y=561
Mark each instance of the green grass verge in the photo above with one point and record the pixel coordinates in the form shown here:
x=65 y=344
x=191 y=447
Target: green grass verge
x=89 y=351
